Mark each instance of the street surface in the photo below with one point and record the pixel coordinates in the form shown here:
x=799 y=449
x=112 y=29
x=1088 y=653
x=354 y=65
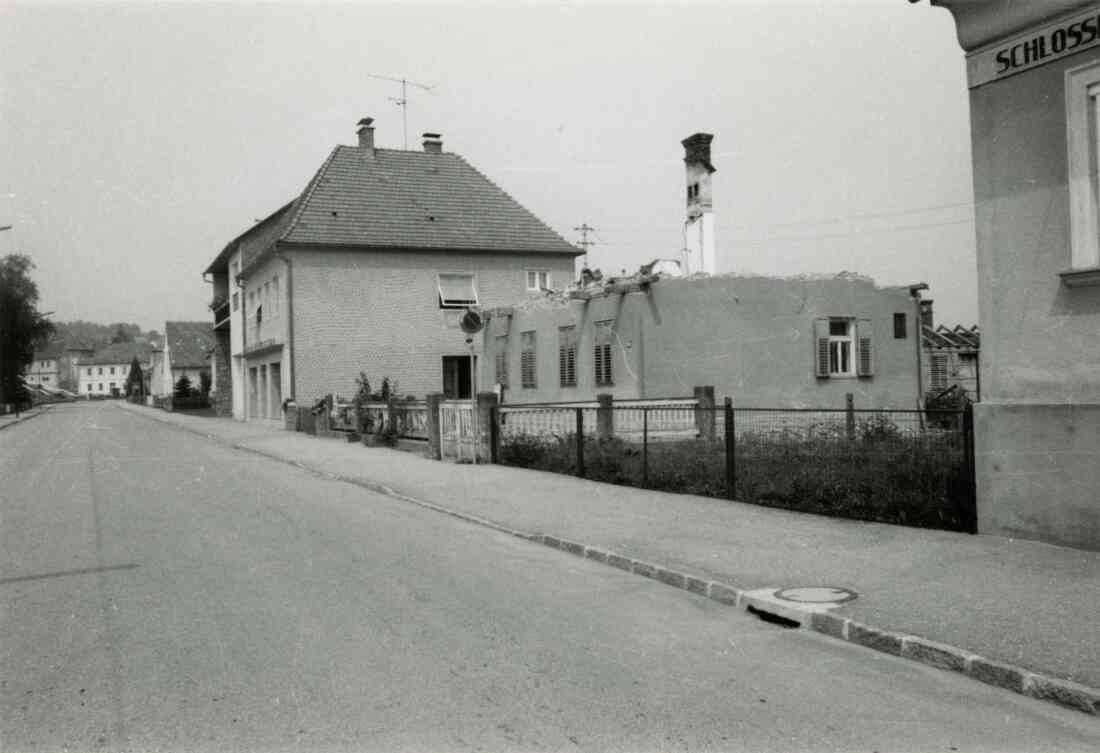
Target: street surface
x=159 y=592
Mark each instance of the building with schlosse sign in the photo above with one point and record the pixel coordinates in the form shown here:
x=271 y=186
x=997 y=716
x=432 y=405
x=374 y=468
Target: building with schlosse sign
x=1033 y=70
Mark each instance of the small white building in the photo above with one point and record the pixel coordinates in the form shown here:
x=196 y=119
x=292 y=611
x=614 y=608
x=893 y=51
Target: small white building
x=104 y=373
x=186 y=352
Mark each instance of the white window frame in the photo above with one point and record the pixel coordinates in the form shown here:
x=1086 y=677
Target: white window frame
x=1083 y=152
x=836 y=349
x=533 y=284
x=454 y=302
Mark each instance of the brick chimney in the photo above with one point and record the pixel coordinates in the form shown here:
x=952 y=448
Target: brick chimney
x=433 y=143
x=365 y=129
x=926 y=314
x=697 y=150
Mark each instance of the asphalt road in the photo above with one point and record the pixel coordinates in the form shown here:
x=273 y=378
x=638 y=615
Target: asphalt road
x=159 y=592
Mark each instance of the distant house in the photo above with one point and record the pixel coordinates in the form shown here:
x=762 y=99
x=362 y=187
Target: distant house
x=186 y=352
x=369 y=269
x=766 y=342
x=951 y=359
x=104 y=373
x=44 y=369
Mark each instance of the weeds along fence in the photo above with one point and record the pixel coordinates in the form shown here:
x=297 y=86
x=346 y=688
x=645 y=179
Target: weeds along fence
x=895 y=466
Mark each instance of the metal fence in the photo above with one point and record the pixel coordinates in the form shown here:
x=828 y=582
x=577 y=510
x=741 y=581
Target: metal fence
x=896 y=466
x=406 y=419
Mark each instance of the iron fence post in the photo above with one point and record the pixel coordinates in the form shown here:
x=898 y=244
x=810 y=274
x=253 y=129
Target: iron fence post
x=645 y=446
x=971 y=518
x=494 y=434
x=850 y=415
x=580 y=442
x=731 y=447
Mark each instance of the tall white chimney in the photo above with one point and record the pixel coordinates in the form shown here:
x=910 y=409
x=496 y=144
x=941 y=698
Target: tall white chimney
x=699 y=220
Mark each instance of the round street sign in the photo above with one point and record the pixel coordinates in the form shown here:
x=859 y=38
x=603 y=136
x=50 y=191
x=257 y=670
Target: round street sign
x=816 y=595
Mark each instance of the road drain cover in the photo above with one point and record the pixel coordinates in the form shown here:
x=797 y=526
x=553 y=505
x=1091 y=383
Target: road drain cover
x=816 y=595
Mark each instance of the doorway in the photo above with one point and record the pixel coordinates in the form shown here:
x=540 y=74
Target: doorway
x=457 y=378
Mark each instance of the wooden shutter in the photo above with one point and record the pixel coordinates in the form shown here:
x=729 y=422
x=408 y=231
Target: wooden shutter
x=601 y=352
x=865 y=336
x=502 y=359
x=527 y=360
x=567 y=356
x=939 y=371
x=821 y=348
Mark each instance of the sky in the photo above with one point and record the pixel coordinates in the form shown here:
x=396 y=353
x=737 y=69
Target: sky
x=136 y=140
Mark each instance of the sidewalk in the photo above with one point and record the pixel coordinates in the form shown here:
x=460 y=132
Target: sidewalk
x=9 y=419
x=1031 y=606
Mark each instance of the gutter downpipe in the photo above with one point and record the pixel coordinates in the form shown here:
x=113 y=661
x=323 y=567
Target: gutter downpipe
x=289 y=321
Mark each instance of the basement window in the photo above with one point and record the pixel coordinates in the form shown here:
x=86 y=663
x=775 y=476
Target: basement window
x=457 y=290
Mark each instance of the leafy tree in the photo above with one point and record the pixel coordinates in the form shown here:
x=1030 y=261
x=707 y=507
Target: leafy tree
x=121 y=334
x=22 y=327
x=183 y=387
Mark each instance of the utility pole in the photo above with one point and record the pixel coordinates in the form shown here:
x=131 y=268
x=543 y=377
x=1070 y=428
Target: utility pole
x=403 y=102
x=584 y=243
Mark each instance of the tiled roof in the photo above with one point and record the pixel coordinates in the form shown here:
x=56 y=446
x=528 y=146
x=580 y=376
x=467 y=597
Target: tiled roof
x=119 y=353
x=189 y=343
x=389 y=198
x=959 y=338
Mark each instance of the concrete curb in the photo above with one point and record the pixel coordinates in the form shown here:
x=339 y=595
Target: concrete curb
x=938 y=655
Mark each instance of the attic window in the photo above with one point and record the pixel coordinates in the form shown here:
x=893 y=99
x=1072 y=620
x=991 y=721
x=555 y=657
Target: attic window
x=457 y=290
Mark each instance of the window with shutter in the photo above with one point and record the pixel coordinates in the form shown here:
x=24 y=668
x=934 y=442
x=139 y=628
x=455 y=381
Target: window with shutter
x=865 y=334
x=527 y=360
x=900 y=326
x=602 y=354
x=567 y=356
x=502 y=360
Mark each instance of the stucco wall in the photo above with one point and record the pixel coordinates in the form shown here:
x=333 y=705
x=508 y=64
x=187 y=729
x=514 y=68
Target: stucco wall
x=751 y=338
x=1038 y=426
x=378 y=312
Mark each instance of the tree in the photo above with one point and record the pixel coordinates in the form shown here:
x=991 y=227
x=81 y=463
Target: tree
x=22 y=327
x=136 y=380
x=183 y=387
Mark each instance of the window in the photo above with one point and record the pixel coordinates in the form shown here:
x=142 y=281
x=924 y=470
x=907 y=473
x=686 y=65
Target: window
x=844 y=347
x=112 y=369
x=101 y=386
x=112 y=385
x=89 y=371
x=267 y=295
x=259 y=315
x=275 y=294
x=900 y=327
x=538 y=279
x=527 y=359
x=502 y=360
x=601 y=349
x=567 y=356
x=236 y=267
x=457 y=291
x=89 y=386
x=1083 y=145
x=236 y=301
x=99 y=369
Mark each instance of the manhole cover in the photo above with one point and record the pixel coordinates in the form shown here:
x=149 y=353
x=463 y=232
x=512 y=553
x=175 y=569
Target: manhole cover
x=816 y=595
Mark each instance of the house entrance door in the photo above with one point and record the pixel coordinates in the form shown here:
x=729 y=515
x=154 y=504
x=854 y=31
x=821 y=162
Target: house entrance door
x=457 y=381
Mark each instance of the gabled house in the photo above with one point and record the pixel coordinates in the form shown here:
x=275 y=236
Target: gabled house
x=369 y=269
x=186 y=352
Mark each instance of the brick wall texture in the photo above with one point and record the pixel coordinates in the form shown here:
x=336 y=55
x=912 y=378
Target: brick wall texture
x=378 y=312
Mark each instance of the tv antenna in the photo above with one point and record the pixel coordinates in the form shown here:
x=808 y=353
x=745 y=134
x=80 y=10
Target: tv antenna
x=584 y=243
x=403 y=101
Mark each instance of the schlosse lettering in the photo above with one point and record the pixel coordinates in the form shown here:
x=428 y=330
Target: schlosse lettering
x=1062 y=40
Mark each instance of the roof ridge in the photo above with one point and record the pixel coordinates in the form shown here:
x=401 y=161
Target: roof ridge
x=511 y=198
x=307 y=194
